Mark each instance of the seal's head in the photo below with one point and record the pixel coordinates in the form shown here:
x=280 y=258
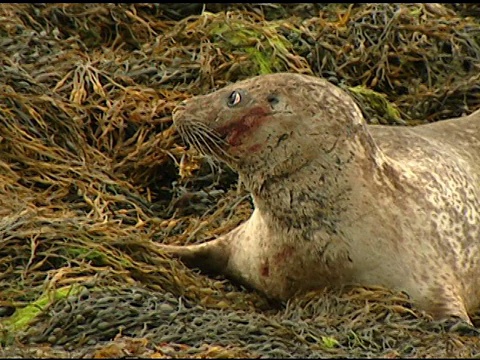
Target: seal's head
x=246 y=124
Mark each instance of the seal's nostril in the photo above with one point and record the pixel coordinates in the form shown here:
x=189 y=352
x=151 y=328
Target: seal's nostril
x=180 y=106
x=178 y=109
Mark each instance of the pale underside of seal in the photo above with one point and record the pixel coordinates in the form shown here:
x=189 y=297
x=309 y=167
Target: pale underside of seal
x=337 y=201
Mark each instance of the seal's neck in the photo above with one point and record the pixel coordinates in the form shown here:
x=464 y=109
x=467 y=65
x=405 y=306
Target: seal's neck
x=316 y=192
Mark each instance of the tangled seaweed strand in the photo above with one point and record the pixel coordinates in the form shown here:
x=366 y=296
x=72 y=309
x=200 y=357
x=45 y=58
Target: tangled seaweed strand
x=92 y=172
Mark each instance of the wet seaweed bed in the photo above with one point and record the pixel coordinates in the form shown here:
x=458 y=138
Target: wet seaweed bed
x=92 y=172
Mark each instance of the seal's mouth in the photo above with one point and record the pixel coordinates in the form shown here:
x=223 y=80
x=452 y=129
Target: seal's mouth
x=233 y=132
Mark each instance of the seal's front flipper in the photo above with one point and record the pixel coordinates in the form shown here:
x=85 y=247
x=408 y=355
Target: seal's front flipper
x=211 y=256
x=448 y=309
x=453 y=324
x=462 y=327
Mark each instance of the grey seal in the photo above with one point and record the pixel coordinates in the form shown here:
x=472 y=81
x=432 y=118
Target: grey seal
x=337 y=201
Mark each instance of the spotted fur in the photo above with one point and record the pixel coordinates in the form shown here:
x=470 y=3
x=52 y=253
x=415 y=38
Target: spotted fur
x=338 y=201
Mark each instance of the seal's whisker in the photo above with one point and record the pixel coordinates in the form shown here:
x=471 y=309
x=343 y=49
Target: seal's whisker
x=219 y=150
x=205 y=140
x=187 y=138
x=210 y=146
x=183 y=133
x=196 y=144
x=199 y=142
x=190 y=138
x=212 y=132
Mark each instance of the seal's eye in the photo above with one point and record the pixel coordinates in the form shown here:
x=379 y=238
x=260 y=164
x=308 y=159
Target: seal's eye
x=234 y=99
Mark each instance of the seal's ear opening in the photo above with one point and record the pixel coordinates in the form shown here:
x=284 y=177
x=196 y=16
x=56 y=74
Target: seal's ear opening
x=273 y=100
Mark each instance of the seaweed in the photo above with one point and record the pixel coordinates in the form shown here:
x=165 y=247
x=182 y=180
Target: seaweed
x=92 y=172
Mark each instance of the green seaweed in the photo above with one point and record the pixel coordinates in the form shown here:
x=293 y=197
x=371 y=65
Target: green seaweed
x=263 y=44
x=329 y=342
x=378 y=102
x=22 y=317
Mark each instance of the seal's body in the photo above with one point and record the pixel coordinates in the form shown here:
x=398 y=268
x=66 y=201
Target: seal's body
x=337 y=201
